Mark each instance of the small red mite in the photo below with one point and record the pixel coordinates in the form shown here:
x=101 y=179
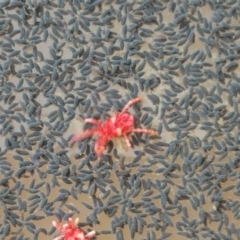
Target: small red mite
x=70 y=231
x=119 y=125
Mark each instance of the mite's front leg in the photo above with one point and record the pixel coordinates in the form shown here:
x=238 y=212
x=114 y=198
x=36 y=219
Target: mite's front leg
x=131 y=102
x=82 y=135
x=92 y=121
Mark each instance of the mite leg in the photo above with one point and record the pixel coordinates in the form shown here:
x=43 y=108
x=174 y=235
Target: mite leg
x=92 y=120
x=131 y=102
x=90 y=234
x=127 y=140
x=82 y=135
x=144 y=130
x=100 y=145
x=59 y=238
x=57 y=225
x=76 y=221
x=71 y=223
x=80 y=236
